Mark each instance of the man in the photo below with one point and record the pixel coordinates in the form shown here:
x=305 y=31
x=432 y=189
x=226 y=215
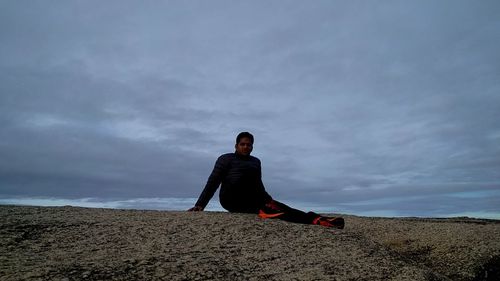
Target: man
x=242 y=190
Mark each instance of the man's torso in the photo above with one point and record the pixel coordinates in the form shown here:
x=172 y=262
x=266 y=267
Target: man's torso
x=242 y=188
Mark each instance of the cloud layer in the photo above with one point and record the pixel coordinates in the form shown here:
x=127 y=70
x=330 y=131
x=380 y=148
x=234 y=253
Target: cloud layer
x=365 y=107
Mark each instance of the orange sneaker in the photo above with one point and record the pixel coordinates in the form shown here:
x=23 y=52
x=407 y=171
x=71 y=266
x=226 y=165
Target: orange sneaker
x=336 y=222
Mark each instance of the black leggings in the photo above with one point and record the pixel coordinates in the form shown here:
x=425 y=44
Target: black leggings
x=275 y=209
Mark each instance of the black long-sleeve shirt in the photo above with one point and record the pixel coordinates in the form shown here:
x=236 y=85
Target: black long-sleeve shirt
x=242 y=189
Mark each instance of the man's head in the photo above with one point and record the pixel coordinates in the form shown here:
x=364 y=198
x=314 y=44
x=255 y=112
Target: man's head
x=244 y=143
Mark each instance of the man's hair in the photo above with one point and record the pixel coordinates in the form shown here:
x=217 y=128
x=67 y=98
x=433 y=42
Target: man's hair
x=244 y=135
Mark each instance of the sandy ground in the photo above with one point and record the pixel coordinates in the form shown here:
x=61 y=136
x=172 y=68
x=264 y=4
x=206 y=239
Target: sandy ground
x=67 y=243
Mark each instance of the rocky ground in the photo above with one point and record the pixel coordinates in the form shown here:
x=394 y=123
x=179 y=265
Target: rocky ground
x=67 y=243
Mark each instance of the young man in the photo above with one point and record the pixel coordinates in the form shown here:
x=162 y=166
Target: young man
x=242 y=190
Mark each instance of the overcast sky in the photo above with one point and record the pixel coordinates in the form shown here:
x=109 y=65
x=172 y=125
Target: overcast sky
x=370 y=107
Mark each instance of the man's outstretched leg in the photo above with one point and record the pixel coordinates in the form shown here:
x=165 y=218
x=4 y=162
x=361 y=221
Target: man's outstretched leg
x=275 y=209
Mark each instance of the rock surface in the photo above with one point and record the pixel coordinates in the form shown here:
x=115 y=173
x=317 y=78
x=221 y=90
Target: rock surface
x=68 y=243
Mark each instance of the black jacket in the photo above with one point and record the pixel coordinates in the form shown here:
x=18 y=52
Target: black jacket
x=242 y=189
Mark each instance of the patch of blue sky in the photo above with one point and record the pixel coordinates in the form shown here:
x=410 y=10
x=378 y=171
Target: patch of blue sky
x=381 y=213
x=482 y=215
x=54 y=202
x=476 y=194
x=170 y=204
x=383 y=201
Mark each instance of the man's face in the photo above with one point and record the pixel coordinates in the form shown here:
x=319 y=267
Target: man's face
x=244 y=147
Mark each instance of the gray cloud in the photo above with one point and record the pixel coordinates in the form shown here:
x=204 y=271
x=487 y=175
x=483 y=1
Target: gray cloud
x=349 y=103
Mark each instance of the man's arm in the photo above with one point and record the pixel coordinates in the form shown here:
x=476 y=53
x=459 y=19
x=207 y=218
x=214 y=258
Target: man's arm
x=213 y=182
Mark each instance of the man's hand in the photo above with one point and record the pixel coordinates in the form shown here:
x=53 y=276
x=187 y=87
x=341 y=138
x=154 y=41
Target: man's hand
x=196 y=209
